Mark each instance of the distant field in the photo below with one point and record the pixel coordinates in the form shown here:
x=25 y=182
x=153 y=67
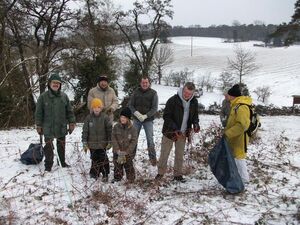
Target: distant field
x=279 y=67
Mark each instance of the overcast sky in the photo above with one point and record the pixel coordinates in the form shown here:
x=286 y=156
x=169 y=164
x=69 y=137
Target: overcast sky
x=218 y=12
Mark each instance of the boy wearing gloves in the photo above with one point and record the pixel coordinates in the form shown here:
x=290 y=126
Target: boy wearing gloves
x=96 y=136
x=124 y=140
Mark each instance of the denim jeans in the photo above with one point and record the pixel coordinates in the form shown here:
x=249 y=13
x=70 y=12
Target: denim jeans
x=148 y=127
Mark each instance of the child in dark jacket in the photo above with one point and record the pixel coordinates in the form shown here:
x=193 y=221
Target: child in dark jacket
x=124 y=140
x=96 y=136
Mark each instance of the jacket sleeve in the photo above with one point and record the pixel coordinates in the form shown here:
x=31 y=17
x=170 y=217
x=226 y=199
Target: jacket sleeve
x=131 y=103
x=168 y=115
x=195 y=119
x=114 y=140
x=115 y=102
x=108 y=128
x=39 y=112
x=154 y=106
x=133 y=141
x=242 y=122
x=90 y=98
x=85 y=130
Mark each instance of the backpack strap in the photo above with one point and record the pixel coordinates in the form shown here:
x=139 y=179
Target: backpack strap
x=246 y=132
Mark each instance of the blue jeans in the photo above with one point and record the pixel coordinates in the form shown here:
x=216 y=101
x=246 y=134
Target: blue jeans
x=148 y=127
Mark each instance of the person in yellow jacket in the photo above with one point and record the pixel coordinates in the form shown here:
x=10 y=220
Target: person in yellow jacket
x=238 y=122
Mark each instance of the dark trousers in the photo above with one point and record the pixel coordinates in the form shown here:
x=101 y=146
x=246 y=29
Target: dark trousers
x=119 y=168
x=100 y=162
x=49 y=154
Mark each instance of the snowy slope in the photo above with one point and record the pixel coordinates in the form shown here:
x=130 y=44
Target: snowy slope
x=70 y=196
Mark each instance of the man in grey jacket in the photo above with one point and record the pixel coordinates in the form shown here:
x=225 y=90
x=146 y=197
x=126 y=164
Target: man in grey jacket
x=143 y=104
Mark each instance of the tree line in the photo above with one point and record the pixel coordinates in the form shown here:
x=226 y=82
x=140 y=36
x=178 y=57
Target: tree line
x=92 y=37
x=234 y=33
x=38 y=37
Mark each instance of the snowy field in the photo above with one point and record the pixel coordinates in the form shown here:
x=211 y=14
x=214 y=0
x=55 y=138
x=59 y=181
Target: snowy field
x=70 y=196
x=279 y=68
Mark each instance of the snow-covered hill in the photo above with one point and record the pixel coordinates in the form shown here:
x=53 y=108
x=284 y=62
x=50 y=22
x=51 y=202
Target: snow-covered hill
x=70 y=196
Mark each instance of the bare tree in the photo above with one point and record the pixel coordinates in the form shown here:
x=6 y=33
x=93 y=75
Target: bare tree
x=243 y=62
x=181 y=77
x=226 y=80
x=133 y=29
x=163 y=56
x=5 y=8
x=263 y=93
x=50 y=22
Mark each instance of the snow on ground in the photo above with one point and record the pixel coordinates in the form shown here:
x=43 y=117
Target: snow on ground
x=69 y=196
x=279 y=67
x=28 y=196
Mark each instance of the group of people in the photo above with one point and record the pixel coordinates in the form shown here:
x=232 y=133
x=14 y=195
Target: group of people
x=54 y=118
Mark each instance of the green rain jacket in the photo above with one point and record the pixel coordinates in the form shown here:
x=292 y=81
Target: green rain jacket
x=53 y=113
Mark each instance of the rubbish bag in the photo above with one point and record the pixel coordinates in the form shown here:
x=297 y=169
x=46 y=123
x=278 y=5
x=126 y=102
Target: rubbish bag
x=223 y=166
x=34 y=154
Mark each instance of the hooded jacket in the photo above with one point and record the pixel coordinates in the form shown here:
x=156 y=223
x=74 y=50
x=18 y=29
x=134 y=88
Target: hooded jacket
x=238 y=122
x=53 y=113
x=174 y=113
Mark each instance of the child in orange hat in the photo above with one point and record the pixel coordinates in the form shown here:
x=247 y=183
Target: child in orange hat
x=96 y=136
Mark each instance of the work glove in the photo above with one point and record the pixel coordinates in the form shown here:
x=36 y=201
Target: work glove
x=71 y=127
x=196 y=128
x=139 y=116
x=39 y=130
x=85 y=147
x=108 y=146
x=143 y=117
x=121 y=157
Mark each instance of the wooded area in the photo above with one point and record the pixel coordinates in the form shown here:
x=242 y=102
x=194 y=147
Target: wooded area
x=38 y=37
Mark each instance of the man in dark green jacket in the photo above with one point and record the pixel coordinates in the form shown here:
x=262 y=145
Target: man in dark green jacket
x=53 y=114
x=143 y=104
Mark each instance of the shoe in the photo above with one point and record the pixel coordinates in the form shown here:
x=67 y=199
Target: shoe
x=94 y=176
x=115 y=180
x=180 y=179
x=65 y=165
x=158 y=177
x=104 y=179
x=153 y=162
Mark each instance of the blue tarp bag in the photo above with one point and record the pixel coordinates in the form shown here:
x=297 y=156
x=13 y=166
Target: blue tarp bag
x=223 y=166
x=34 y=154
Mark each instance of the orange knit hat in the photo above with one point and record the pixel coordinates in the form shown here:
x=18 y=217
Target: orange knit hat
x=96 y=102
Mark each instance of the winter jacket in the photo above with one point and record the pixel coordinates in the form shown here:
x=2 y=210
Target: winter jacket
x=96 y=131
x=108 y=97
x=124 y=138
x=173 y=115
x=145 y=102
x=53 y=113
x=237 y=123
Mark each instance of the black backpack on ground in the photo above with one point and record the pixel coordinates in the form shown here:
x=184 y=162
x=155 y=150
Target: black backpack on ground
x=34 y=154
